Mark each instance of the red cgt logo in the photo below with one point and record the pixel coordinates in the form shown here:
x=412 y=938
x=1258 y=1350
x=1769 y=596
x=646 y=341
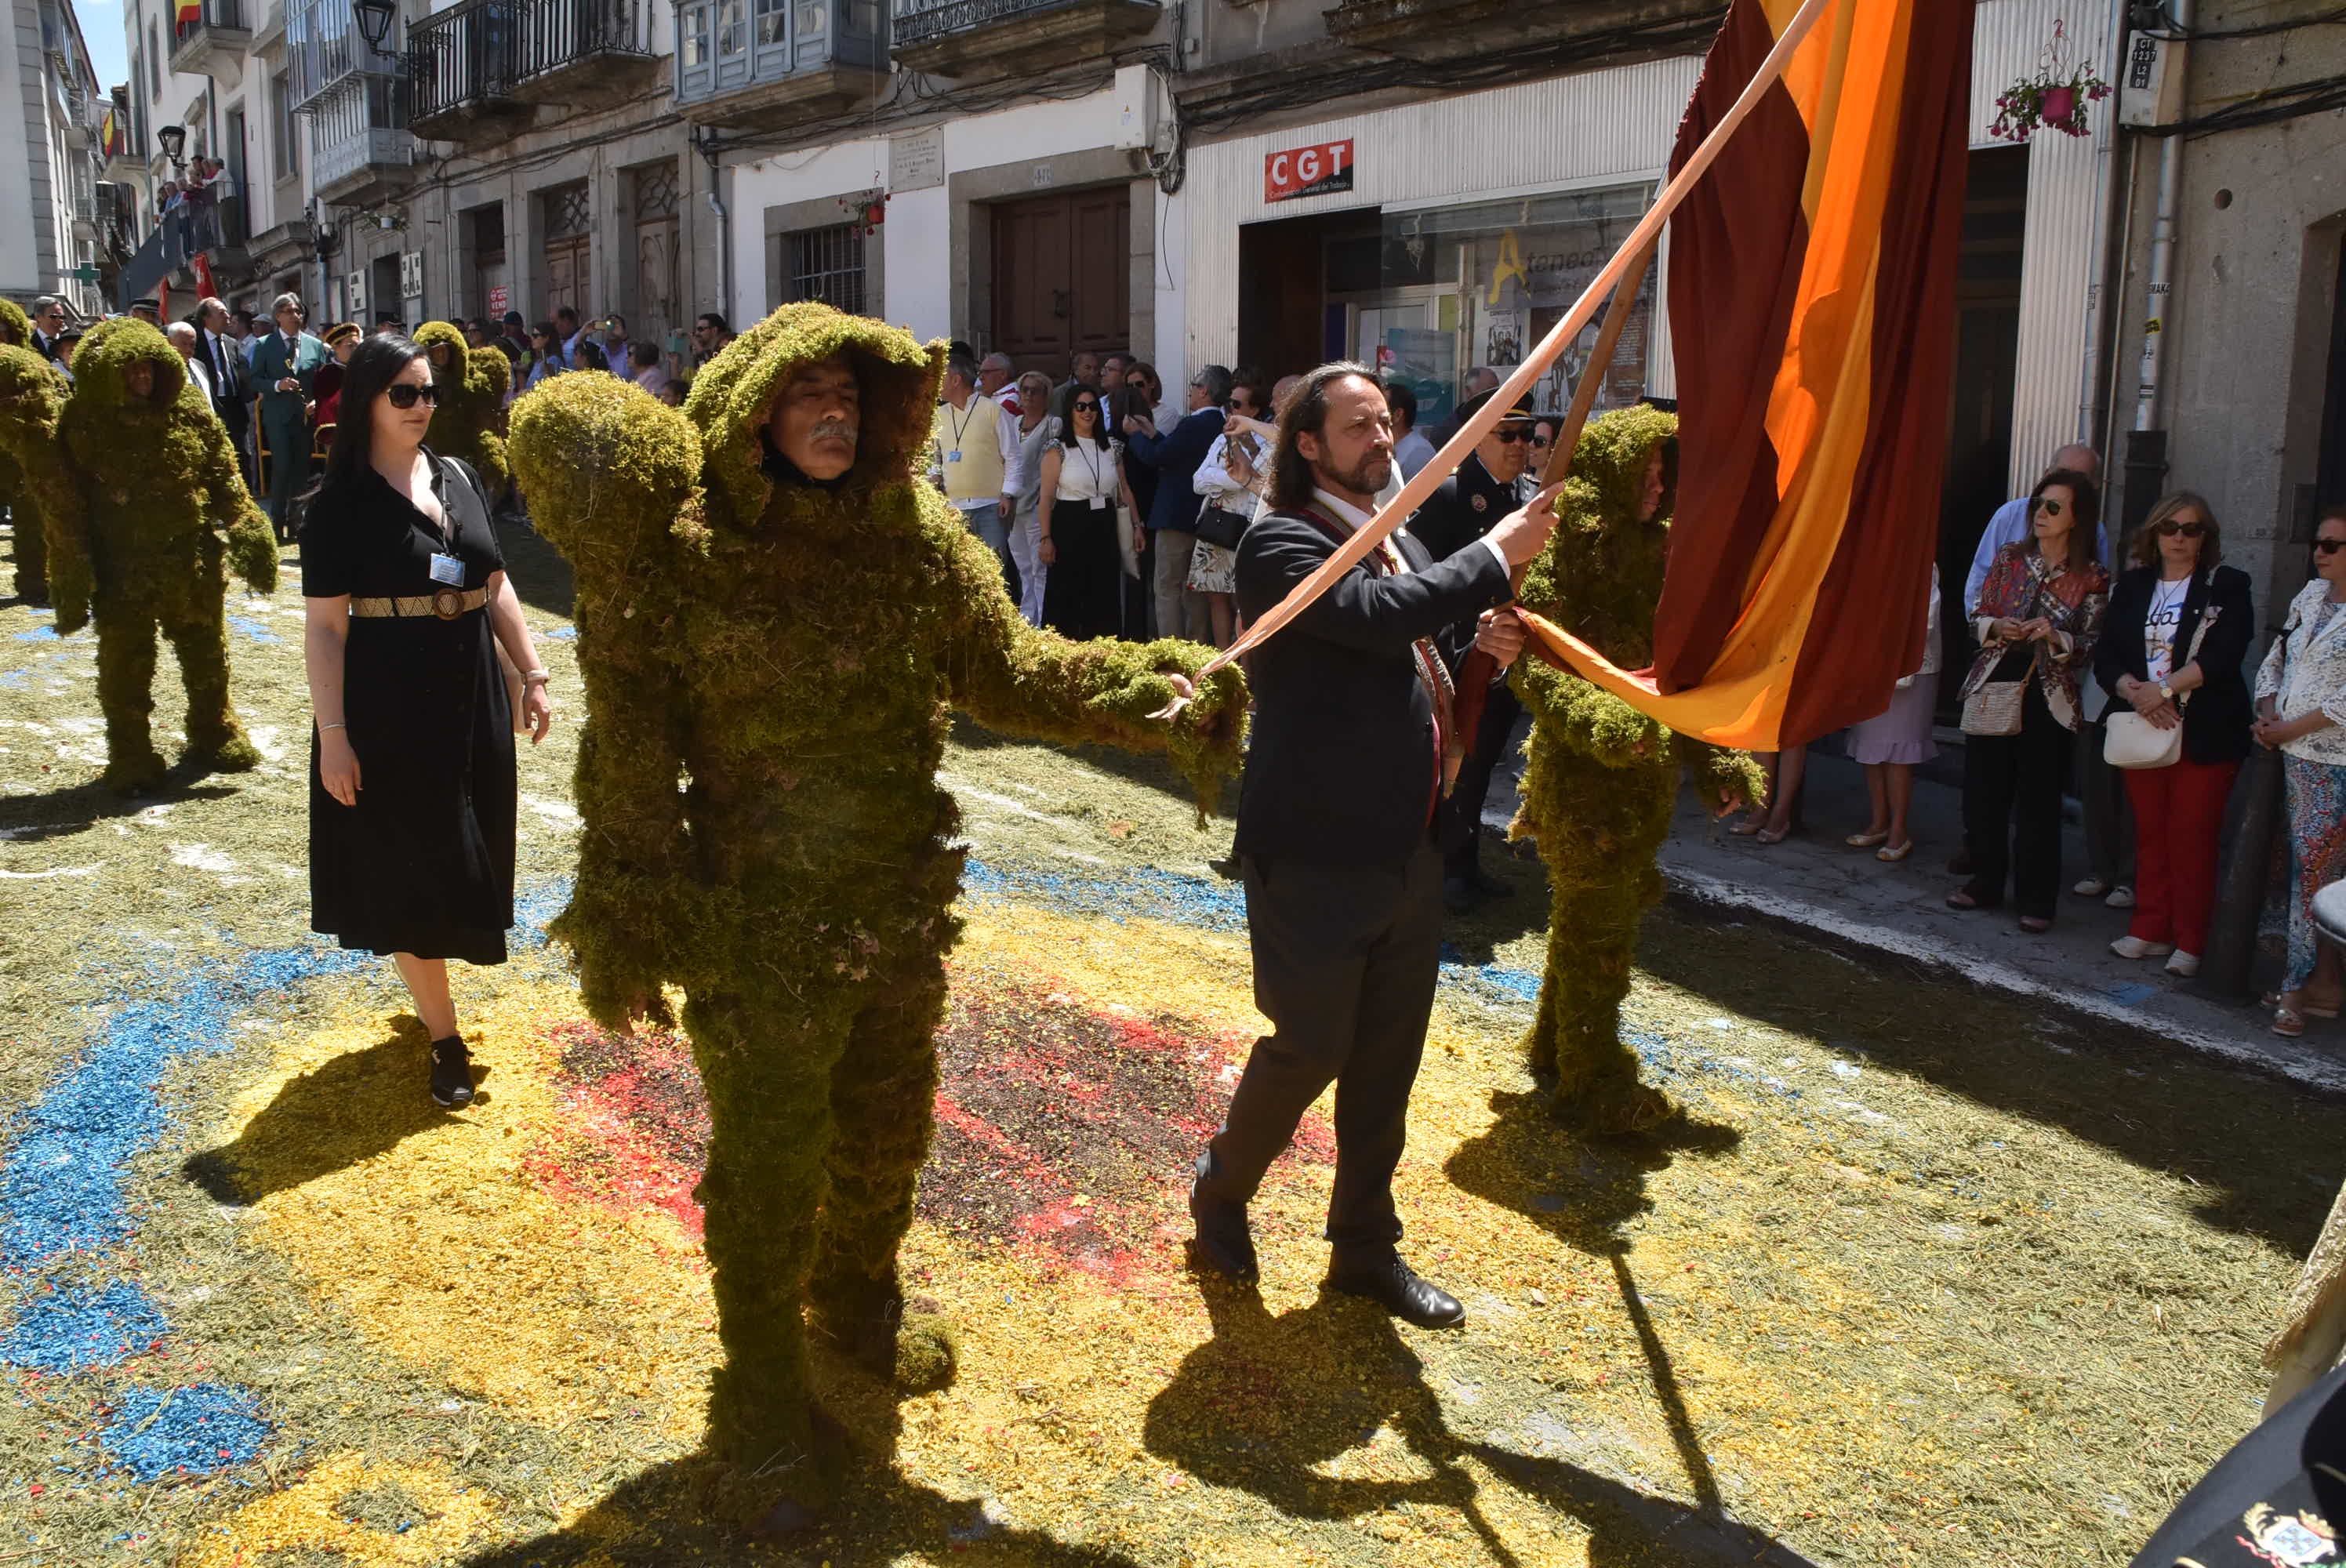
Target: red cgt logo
x=1308 y=171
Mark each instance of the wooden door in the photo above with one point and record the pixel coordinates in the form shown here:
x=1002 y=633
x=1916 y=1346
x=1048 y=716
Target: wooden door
x=1060 y=277
x=656 y=245
x=566 y=276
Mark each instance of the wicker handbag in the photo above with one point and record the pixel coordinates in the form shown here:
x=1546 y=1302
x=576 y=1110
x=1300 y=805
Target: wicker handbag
x=1993 y=707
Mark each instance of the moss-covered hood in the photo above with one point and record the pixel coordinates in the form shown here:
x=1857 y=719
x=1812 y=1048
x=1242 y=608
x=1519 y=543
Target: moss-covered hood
x=102 y=365
x=16 y=327
x=32 y=398
x=733 y=395
x=1610 y=462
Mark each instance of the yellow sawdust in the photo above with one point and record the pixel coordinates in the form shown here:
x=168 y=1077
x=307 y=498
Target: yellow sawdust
x=565 y=1312
x=306 y=1517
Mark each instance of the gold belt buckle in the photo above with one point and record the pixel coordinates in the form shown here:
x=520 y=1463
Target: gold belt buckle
x=447 y=603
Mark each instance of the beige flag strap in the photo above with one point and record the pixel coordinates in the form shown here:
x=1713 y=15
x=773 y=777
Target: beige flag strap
x=1454 y=451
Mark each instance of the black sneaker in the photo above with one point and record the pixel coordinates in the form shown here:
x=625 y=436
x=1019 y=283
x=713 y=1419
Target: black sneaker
x=451 y=1073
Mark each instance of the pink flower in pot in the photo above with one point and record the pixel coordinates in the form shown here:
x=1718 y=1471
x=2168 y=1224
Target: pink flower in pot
x=2059 y=104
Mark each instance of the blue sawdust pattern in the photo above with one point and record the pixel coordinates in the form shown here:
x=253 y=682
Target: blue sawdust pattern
x=193 y=1430
x=254 y=629
x=66 y=1329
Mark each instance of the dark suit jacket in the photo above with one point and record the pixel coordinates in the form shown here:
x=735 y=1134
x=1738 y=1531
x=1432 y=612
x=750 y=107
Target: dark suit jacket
x=2215 y=719
x=1450 y=520
x=231 y=378
x=1175 y=454
x=1339 y=766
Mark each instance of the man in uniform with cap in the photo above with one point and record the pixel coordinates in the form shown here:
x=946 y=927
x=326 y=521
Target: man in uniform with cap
x=1486 y=488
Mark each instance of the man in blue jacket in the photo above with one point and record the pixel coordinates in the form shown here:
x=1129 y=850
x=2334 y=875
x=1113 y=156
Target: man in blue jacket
x=1172 y=521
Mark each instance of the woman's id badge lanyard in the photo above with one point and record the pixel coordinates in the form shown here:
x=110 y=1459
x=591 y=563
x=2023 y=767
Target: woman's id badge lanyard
x=447 y=569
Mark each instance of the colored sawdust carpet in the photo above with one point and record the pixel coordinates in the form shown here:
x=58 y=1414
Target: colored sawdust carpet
x=1922 y=1277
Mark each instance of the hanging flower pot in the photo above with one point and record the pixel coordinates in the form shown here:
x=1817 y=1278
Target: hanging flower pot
x=2055 y=98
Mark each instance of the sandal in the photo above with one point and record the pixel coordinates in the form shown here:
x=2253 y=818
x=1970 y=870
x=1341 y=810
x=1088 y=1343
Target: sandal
x=1962 y=898
x=1747 y=827
x=1893 y=853
x=2304 y=1009
x=2035 y=925
x=1868 y=841
x=2287 y=1023
x=1770 y=835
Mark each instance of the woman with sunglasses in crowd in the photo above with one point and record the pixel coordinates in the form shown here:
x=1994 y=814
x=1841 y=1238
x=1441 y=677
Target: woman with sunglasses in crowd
x=2180 y=623
x=2301 y=710
x=2040 y=613
x=412 y=759
x=1082 y=486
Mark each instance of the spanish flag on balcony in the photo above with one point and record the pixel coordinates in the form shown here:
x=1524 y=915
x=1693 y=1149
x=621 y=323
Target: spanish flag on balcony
x=190 y=11
x=1812 y=287
x=105 y=135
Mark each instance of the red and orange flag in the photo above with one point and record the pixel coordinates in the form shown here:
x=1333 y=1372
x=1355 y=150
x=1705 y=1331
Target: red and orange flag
x=1813 y=277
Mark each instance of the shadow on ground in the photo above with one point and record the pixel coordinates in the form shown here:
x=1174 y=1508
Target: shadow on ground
x=76 y=808
x=351 y=1108
x=1250 y=1411
x=2265 y=1152
x=1150 y=772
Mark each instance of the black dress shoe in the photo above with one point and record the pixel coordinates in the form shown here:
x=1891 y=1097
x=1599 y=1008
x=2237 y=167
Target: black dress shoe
x=1223 y=1242
x=1392 y=1283
x=1458 y=895
x=1486 y=886
x=451 y=1073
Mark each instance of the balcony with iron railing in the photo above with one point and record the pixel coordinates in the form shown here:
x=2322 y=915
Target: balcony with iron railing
x=1583 y=33
x=460 y=64
x=583 y=54
x=763 y=63
x=983 y=40
x=324 y=48
x=360 y=149
x=213 y=42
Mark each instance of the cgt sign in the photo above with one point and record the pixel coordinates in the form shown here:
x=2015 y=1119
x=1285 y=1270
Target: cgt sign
x=1308 y=171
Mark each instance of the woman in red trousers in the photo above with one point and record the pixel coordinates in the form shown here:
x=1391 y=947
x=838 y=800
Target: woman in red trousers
x=2145 y=660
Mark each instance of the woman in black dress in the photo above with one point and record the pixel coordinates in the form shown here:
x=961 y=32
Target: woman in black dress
x=1081 y=487
x=411 y=759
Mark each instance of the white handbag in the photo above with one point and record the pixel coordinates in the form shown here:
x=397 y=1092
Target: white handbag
x=2131 y=741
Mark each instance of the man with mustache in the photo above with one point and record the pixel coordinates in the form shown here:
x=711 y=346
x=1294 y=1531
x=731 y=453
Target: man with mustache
x=776 y=619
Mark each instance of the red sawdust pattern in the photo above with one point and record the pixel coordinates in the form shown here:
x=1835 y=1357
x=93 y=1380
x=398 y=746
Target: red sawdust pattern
x=1064 y=1130
x=639 y=1127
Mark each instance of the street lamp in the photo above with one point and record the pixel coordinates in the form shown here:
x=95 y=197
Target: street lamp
x=174 y=139
x=374 y=20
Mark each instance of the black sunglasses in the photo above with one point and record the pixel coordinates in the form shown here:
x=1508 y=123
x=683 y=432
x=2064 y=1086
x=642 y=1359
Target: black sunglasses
x=2047 y=505
x=1086 y=406
x=1510 y=437
x=2328 y=547
x=1543 y=441
x=2189 y=530
x=407 y=394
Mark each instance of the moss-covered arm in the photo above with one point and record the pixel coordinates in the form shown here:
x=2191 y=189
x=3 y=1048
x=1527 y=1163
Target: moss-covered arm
x=1592 y=722
x=244 y=527
x=1731 y=779
x=1010 y=677
x=612 y=480
x=48 y=484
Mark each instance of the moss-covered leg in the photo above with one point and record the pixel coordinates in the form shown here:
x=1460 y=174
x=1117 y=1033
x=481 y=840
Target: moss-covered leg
x=766 y=1057
x=882 y=1098
x=32 y=543
x=215 y=739
x=1599 y=829
x=126 y=691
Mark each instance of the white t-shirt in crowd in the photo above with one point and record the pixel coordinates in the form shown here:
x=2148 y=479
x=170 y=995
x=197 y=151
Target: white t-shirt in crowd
x=1087 y=474
x=2159 y=627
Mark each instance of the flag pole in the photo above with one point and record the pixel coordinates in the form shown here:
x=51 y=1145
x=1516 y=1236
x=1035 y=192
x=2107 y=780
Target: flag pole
x=1413 y=494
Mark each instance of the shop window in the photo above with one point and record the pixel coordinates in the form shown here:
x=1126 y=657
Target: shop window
x=1481 y=283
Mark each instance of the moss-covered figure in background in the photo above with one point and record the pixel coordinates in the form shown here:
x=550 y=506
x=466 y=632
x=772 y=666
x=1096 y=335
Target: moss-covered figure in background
x=1600 y=779
x=472 y=383
x=165 y=516
x=44 y=510
x=28 y=533
x=790 y=640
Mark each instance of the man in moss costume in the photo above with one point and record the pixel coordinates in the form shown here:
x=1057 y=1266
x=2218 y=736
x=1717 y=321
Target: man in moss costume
x=163 y=514
x=1601 y=779
x=36 y=482
x=472 y=384
x=28 y=531
x=790 y=640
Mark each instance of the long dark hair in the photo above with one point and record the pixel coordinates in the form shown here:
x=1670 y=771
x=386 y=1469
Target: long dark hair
x=374 y=365
x=1306 y=412
x=2088 y=509
x=1100 y=416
